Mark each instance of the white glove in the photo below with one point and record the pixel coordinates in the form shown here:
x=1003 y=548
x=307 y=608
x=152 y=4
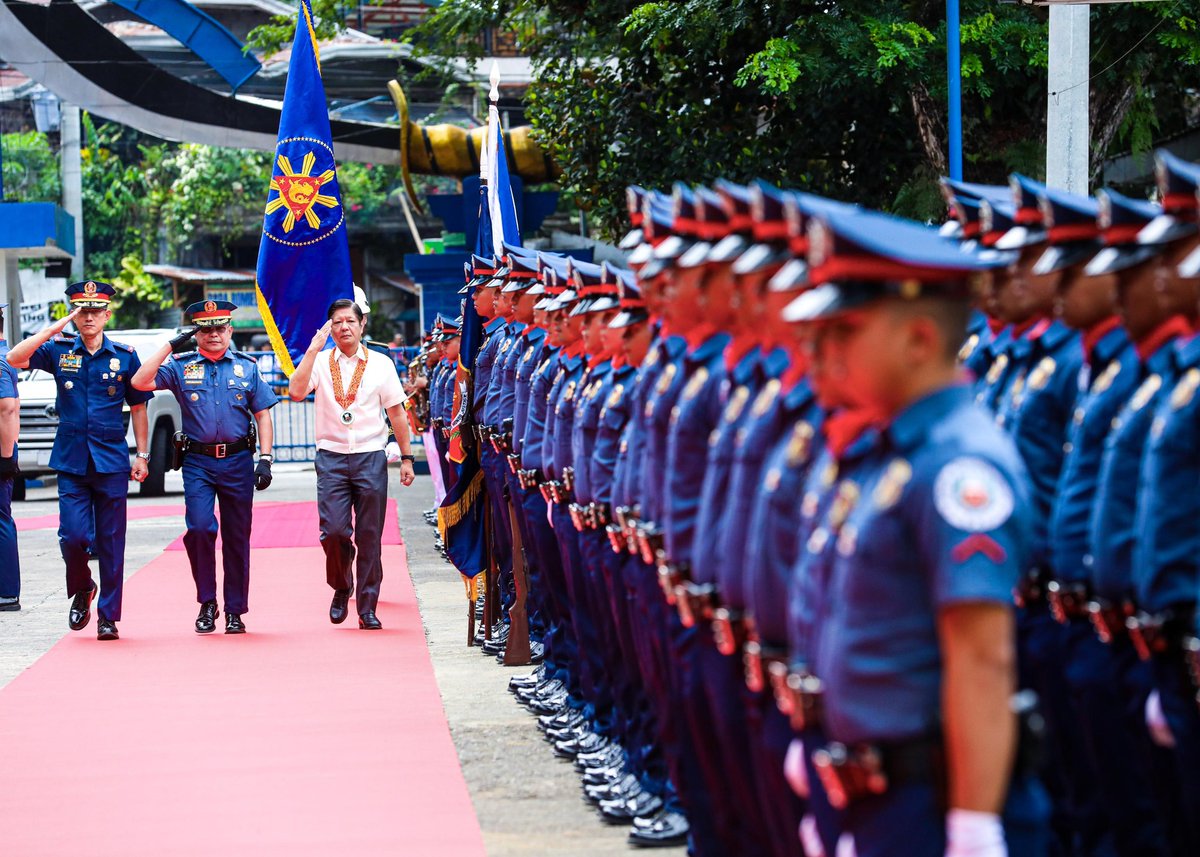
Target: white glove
x=1156 y=722
x=794 y=769
x=810 y=838
x=392 y=451
x=974 y=834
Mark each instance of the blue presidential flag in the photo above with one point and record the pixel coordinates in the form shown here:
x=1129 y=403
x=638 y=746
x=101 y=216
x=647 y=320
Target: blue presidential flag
x=304 y=258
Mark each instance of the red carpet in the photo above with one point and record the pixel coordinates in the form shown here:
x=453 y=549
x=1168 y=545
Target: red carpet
x=295 y=525
x=299 y=738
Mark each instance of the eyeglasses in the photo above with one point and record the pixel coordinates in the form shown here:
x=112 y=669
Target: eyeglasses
x=214 y=328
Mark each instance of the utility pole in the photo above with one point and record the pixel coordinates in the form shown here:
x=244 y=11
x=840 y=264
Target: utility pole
x=72 y=181
x=1068 y=135
x=954 y=79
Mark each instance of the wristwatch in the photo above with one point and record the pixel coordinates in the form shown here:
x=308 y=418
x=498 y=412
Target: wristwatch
x=267 y=456
x=144 y=456
x=410 y=458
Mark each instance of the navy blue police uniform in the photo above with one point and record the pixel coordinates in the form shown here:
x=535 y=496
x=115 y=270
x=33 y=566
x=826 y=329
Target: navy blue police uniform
x=90 y=453
x=218 y=400
x=10 y=561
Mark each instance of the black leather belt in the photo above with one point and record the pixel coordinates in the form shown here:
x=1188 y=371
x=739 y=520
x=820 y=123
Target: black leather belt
x=220 y=450
x=1068 y=600
x=852 y=772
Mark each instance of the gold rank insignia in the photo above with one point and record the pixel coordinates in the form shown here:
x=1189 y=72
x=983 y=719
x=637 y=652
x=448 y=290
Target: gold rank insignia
x=843 y=504
x=847 y=542
x=651 y=357
x=818 y=540
x=771 y=483
x=664 y=380
x=968 y=347
x=614 y=396
x=507 y=344
x=569 y=393
x=713 y=437
x=997 y=368
x=1145 y=392
x=1185 y=389
x=800 y=445
x=891 y=485
x=624 y=447
x=592 y=389
x=1018 y=388
x=765 y=396
x=829 y=474
x=674 y=415
x=558 y=377
x=695 y=384
x=1042 y=373
x=737 y=402
x=1106 y=378
x=810 y=504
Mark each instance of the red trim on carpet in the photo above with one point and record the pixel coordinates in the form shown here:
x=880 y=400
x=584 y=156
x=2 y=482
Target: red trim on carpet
x=300 y=738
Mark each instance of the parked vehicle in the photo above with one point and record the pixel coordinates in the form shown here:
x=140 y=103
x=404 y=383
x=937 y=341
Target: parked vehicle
x=39 y=416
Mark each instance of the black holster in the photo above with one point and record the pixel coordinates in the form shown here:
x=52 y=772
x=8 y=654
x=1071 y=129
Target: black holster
x=178 y=449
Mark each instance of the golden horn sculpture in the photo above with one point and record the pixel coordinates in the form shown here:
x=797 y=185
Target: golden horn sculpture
x=448 y=150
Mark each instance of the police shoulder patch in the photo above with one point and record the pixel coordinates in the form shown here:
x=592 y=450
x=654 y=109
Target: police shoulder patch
x=971 y=495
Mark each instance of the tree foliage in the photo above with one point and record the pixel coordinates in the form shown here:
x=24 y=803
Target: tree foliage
x=844 y=98
x=30 y=168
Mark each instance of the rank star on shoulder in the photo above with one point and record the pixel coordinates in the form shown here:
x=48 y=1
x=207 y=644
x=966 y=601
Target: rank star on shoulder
x=299 y=192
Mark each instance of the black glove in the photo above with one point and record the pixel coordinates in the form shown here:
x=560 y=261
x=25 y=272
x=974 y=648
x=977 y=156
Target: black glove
x=182 y=337
x=262 y=474
x=8 y=467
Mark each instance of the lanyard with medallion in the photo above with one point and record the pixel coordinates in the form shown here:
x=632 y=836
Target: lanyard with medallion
x=347 y=399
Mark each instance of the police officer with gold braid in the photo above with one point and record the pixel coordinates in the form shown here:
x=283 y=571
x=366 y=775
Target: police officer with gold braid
x=90 y=454
x=225 y=404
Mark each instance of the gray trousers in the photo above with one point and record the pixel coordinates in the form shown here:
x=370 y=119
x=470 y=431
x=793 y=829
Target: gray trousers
x=359 y=482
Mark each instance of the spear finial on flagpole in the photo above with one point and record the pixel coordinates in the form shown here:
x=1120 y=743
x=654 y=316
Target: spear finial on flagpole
x=494 y=95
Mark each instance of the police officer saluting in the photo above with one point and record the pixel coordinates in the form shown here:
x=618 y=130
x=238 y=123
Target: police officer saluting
x=93 y=375
x=223 y=399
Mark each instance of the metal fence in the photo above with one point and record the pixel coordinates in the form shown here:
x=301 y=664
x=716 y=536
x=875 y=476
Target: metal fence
x=294 y=437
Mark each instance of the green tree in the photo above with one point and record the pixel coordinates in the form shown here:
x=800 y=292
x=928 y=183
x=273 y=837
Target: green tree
x=139 y=296
x=843 y=98
x=31 y=172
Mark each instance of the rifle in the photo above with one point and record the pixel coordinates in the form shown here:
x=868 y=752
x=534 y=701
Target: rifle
x=516 y=652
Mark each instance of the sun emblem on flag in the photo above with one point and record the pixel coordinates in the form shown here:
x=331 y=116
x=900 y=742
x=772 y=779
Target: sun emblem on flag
x=299 y=191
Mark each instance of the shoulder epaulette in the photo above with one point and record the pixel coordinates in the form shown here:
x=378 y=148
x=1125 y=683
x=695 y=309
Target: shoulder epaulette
x=186 y=355
x=249 y=357
x=123 y=346
x=62 y=337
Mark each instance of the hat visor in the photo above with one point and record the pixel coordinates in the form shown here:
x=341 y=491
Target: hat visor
x=756 y=257
x=695 y=255
x=537 y=287
x=1188 y=268
x=516 y=286
x=492 y=283
x=602 y=303
x=651 y=270
x=672 y=247
x=1110 y=260
x=628 y=318
x=1064 y=256
x=951 y=229
x=582 y=307
x=728 y=249
x=467 y=288
x=1019 y=237
x=792 y=276
x=546 y=303
x=632 y=239
x=1164 y=229
x=825 y=301
x=640 y=255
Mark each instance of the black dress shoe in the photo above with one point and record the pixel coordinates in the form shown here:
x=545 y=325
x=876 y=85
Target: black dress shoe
x=606 y=758
x=81 y=608
x=667 y=829
x=337 y=608
x=234 y=624
x=206 y=622
x=624 y=811
x=9 y=605
x=368 y=622
x=601 y=776
x=106 y=629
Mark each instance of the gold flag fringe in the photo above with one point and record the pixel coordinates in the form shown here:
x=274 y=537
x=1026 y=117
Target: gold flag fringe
x=273 y=334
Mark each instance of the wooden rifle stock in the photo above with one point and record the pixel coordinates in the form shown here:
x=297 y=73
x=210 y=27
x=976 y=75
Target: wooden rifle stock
x=516 y=652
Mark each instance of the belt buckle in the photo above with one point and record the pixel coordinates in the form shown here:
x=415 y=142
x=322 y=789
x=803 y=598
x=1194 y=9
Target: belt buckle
x=219 y=450
x=826 y=762
x=777 y=671
x=722 y=631
x=683 y=602
x=616 y=539
x=752 y=666
x=666 y=582
x=1143 y=633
